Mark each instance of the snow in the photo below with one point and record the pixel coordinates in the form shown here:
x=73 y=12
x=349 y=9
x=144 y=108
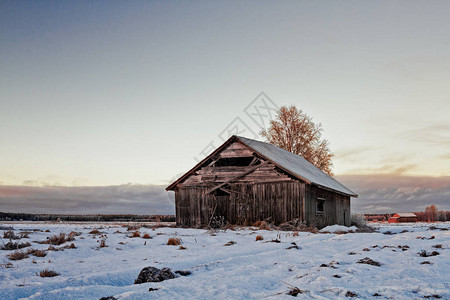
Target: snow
x=324 y=267
x=338 y=228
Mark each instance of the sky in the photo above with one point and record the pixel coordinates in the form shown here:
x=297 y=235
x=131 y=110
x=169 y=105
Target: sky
x=106 y=96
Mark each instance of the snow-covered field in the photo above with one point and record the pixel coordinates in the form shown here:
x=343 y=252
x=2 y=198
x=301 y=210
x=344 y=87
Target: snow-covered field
x=323 y=267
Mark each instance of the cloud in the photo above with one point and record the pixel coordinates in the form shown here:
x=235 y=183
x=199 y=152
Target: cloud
x=388 y=169
x=397 y=193
x=377 y=194
x=117 y=199
x=438 y=134
x=353 y=154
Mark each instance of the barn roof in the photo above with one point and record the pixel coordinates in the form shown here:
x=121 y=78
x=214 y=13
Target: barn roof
x=291 y=163
x=406 y=215
x=296 y=165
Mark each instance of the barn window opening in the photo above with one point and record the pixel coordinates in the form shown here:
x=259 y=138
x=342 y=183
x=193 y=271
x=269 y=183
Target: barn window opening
x=320 y=203
x=234 y=161
x=222 y=191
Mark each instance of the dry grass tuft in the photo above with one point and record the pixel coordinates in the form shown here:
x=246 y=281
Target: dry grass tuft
x=264 y=226
x=257 y=224
x=259 y=237
x=17 y=255
x=58 y=239
x=146 y=236
x=295 y=233
x=182 y=248
x=10 y=235
x=135 y=234
x=94 y=231
x=8 y=265
x=133 y=227
x=37 y=252
x=48 y=273
x=368 y=261
x=14 y=245
x=174 y=242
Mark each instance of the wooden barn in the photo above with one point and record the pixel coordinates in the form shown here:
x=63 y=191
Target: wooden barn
x=245 y=180
x=403 y=218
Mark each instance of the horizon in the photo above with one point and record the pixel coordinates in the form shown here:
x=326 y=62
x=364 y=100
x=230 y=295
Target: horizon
x=104 y=103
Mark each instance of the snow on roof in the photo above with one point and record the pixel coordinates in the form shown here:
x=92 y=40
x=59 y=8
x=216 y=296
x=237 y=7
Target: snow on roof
x=406 y=215
x=296 y=165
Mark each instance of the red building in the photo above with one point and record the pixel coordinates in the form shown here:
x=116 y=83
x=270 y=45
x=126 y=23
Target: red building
x=403 y=218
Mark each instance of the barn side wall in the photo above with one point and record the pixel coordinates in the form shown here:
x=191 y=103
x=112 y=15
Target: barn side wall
x=246 y=203
x=336 y=207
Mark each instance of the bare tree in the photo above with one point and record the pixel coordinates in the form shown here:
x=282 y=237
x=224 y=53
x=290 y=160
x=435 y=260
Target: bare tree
x=294 y=131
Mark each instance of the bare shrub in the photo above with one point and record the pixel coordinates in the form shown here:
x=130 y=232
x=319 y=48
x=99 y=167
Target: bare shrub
x=17 y=255
x=259 y=237
x=48 y=273
x=174 y=242
x=358 y=220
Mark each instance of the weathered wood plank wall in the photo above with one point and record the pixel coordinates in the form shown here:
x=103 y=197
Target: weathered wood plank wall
x=336 y=207
x=246 y=204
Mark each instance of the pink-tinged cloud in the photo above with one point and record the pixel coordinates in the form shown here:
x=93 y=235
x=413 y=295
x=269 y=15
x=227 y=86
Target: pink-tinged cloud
x=118 y=199
x=377 y=193
x=394 y=193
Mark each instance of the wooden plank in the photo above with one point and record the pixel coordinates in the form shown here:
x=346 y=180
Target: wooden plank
x=235 y=177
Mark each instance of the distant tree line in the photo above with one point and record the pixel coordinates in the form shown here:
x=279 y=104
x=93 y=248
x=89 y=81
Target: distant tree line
x=432 y=214
x=5 y=216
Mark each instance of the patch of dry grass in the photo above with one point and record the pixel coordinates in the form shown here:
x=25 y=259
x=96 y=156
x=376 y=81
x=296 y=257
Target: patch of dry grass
x=146 y=236
x=48 y=273
x=174 y=242
x=9 y=234
x=15 y=245
x=37 y=252
x=259 y=237
x=7 y=265
x=58 y=239
x=135 y=234
x=17 y=255
x=230 y=243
